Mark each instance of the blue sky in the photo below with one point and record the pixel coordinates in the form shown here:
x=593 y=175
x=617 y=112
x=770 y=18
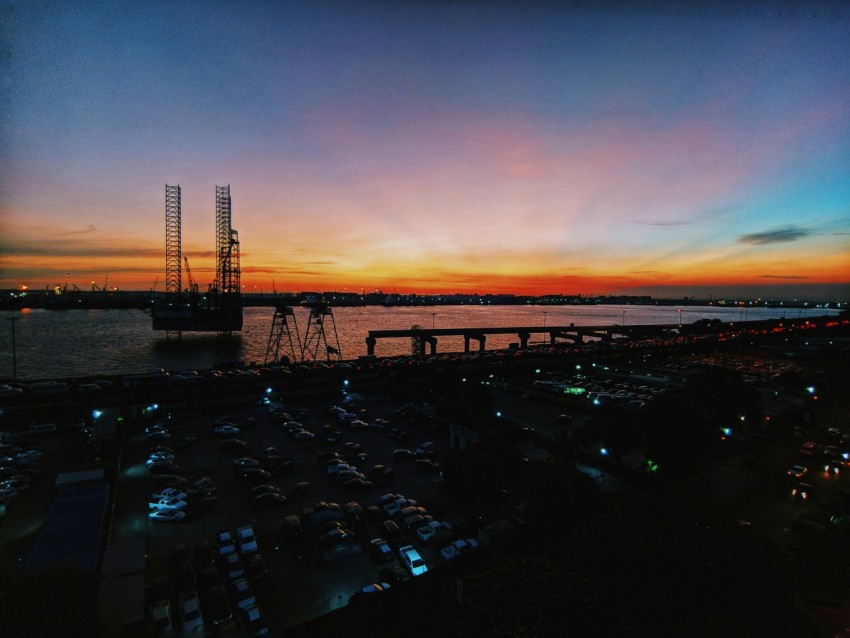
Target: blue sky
x=433 y=146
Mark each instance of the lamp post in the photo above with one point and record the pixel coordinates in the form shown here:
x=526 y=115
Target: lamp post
x=544 y=318
x=14 y=350
x=433 y=319
x=680 y=317
x=623 y=324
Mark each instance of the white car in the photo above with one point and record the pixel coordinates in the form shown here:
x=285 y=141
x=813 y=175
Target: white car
x=428 y=531
x=190 y=612
x=167 y=504
x=167 y=515
x=169 y=492
x=247 y=540
x=159 y=458
x=412 y=560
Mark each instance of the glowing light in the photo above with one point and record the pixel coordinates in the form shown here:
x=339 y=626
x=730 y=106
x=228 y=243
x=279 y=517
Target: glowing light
x=96 y=414
x=603 y=451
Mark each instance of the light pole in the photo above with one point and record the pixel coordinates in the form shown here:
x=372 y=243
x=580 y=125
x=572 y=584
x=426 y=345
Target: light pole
x=14 y=350
x=623 y=324
x=544 y=318
x=680 y=317
x=433 y=319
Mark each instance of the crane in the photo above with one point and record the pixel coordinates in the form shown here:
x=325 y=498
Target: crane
x=193 y=287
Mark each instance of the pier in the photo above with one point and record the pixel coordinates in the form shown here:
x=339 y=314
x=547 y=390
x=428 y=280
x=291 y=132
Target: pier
x=550 y=334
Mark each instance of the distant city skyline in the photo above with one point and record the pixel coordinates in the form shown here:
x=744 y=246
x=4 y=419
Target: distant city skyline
x=432 y=147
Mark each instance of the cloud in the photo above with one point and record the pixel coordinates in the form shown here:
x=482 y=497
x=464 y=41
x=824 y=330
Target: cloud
x=784 y=277
x=88 y=229
x=664 y=223
x=778 y=236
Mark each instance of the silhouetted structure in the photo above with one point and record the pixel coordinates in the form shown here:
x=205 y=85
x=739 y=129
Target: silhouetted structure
x=220 y=309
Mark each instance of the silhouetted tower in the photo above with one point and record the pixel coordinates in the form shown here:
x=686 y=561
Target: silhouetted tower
x=283 y=325
x=173 y=248
x=227 y=269
x=316 y=336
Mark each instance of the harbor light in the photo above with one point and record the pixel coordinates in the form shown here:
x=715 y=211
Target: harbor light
x=96 y=414
x=603 y=451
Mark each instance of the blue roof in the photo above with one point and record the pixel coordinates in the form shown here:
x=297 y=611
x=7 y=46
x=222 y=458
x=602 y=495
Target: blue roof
x=72 y=531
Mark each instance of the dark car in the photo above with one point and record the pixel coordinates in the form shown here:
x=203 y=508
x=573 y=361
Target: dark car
x=404 y=455
x=269 y=499
x=390 y=529
x=245 y=462
x=262 y=488
x=163 y=468
x=353 y=512
x=257 y=567
x=300 y=489
x=340 y=552
x=380 y=550
x=217 y=610
x=234 y=447
x=204 y=504
x=255 y=476
x=171 y=480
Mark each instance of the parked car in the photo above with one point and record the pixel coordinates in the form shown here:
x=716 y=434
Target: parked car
x=404 y=455
x=167 y=515
x=233 y=566
x=412 y=561
x=254 y=621
x=255 y=476
x=168 y=492
x=247 y=540
x=380 y=550
x=458 y=548
x=217 y=608
x=340 y=552
x=190 y=613
x=243 y=593
x=167 y=503
x=202 y=485
x=269 y=499
x=257 y=567
x=234 y=447
x=226 y=542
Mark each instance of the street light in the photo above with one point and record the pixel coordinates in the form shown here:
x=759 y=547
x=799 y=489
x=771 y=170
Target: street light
x=623 y=324
x=433 y=319
x=544 y=318
x=14 y=350
x=680 y=317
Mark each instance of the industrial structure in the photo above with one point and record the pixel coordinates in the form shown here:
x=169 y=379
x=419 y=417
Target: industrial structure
x=188 y=310
x=321 y=340
x=282 y=348
x=316 y=343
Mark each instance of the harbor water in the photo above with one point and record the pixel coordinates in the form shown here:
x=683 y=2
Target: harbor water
x=52 y=344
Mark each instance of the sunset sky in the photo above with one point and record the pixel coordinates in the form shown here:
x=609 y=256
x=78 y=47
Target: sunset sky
x=432 y=146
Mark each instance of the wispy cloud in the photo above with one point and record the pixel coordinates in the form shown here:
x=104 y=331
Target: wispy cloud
x=661 y=222
x=777 y=236
x=784 y=277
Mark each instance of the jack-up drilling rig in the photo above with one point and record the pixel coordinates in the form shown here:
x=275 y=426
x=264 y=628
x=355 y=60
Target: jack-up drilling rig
x=220 y=308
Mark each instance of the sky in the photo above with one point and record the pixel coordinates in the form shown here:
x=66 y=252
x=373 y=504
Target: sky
x=504 y=146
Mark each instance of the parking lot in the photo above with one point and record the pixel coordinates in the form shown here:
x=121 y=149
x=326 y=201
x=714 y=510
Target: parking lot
x=300 y=585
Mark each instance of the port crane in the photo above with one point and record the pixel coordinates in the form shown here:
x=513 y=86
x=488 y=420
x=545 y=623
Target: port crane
x=193 y=286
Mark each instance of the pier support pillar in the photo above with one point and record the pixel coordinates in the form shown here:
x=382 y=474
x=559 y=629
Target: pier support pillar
x=523 y=339
x=370 y=345
x=480 y=338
